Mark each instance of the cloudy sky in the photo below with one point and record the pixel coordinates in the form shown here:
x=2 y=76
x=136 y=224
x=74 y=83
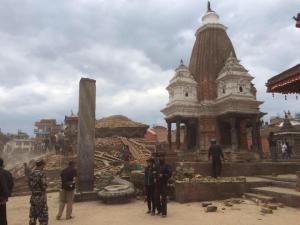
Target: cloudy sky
x=131 y=48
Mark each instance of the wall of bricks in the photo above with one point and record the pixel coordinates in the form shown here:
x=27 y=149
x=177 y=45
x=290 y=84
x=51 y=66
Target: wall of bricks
x=190 y=192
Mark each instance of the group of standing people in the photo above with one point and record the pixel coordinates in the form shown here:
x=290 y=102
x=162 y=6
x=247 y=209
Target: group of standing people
x=38 y=186
x=286 y=148
x=37 y=183
x=157 y=174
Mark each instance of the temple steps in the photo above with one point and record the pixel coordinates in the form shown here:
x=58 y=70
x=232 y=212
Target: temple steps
x=284 y=184
x=284 y=178
x=287 y=196
x=260 y=197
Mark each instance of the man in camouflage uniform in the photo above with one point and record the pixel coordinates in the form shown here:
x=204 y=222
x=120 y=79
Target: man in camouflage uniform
x=38 y=200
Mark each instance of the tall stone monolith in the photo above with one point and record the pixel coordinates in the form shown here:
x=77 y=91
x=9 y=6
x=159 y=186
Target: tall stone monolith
x=86 y=134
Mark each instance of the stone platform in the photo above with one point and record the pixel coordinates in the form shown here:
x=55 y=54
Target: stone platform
x=231 y=169
x=209 y=191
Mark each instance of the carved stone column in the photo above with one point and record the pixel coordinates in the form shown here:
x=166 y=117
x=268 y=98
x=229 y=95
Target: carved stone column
x=198 y=137
x=258 y=140
x=234 y=138
x=86 y=134
x=178 y=134
x=186 y=136
x=253 y=136
x=243 y=135
x=170 y=134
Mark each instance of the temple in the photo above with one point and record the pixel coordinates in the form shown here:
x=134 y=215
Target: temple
x=286 y=82
x=213 y=97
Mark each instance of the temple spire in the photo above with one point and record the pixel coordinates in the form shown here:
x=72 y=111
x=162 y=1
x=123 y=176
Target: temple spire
x=208 y=7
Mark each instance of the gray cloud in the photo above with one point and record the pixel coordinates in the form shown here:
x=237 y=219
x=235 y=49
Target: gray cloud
x=131 y=48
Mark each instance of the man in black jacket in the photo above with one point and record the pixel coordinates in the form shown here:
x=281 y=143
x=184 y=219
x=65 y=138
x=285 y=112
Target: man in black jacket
x=6 y=187
x=68 y=181
x=162 y=174
x=215 y=152
x=149 y=186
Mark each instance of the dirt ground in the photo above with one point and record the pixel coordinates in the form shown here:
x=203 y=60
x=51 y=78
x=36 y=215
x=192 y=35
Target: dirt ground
x=94 y=213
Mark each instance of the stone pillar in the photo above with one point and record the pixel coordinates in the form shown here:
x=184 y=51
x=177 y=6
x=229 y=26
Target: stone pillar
x=243 y=135
x=253 y=135
x=258 y=140
x=86 y=134
x=185 y=137
x=234 y=138
x=170 y=134
x=198 y=136
x=178 y=134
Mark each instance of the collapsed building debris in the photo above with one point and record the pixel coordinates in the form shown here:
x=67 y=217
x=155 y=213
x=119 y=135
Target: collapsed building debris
x=109 y=155
x=119 y=125
x=54 y=164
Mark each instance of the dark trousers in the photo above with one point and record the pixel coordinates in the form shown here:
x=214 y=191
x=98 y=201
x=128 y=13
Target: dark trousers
x=3 y=219
x=273 y=152
x=150 y=197
x=216 y=167
x=161 y=198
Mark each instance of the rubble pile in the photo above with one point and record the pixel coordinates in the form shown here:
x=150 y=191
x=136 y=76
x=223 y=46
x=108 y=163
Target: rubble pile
x=112 y=135
x=119 y=125
x=54 y=164
x=117 y=121
x=187 y=175
x=110 y=145
x=108 y=154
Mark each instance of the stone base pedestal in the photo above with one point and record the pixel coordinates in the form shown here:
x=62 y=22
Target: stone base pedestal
x=86 y=196
x=191 y=192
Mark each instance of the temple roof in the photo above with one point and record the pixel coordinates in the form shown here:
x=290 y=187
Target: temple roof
x=117 y=121
x=287 y=125
x=182 y=75
x=233 y=67
x=286 y=82
x=211 y=49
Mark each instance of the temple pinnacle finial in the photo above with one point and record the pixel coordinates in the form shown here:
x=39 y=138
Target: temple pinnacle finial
x=208 y=7
x=181 y=62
